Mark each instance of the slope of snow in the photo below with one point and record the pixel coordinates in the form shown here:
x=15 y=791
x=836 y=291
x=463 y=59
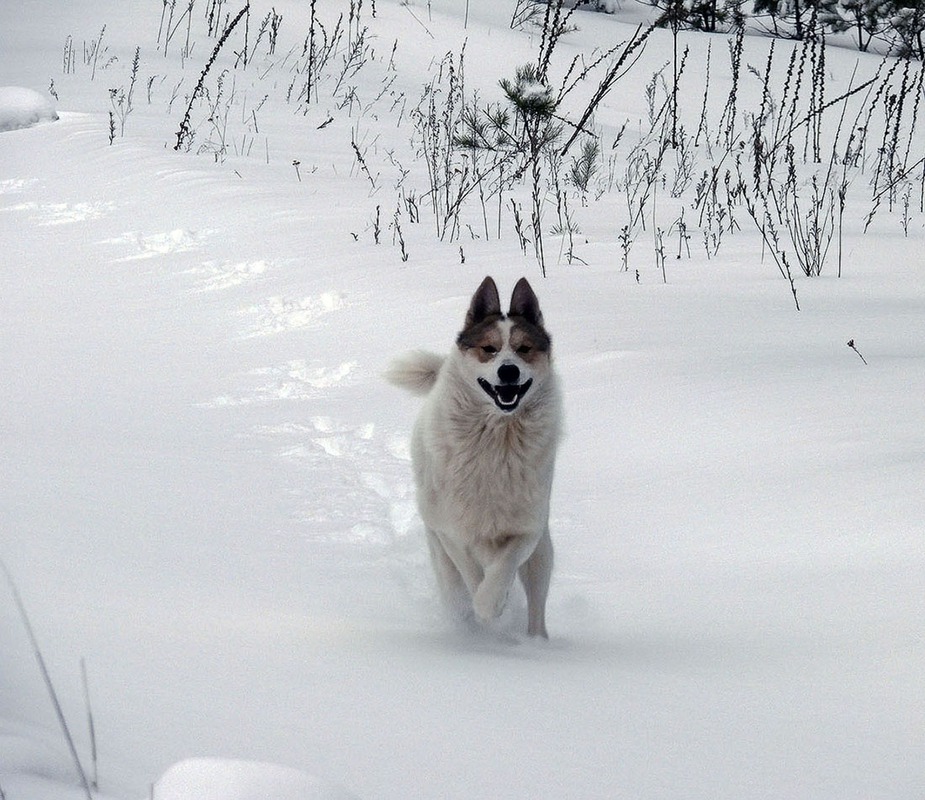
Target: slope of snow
x=206 y=486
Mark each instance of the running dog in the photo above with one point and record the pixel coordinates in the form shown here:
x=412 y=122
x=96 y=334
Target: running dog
x=483 y=452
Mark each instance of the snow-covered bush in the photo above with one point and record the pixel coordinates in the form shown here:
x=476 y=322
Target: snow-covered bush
x=22 y=108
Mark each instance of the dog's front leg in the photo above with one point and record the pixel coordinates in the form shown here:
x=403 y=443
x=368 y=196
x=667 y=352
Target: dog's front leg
x=458 y=576
x=501 y=557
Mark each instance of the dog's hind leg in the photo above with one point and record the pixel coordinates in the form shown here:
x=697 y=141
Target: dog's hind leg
x=535 y=574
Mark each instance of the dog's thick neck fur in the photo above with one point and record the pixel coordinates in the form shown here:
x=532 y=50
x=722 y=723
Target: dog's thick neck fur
x=489 y=458
x=472 y=416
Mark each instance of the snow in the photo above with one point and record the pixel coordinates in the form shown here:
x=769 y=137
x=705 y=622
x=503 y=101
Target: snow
x=218 y=779
x=22 y=108
x=205 y=486
x=34 y=767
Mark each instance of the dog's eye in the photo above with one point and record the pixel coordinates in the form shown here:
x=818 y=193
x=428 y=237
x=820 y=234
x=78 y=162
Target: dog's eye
x=489 y=349
x=524 y=349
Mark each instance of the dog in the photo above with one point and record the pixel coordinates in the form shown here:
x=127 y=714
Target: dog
x=483 y=452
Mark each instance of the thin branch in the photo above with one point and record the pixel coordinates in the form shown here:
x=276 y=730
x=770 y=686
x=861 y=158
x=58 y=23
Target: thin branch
x=851 y=345
x=91 y=727
x=47 y=677
x=607 y=83
x=183 y=134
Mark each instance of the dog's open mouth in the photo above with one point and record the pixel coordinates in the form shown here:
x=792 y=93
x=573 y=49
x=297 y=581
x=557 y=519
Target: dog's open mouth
x=507 y=396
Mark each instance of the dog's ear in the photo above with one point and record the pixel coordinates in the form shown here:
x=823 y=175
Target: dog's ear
x=524 y=304
x=485 y=303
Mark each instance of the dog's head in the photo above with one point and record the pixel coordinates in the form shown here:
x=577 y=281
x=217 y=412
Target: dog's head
x=506 y=356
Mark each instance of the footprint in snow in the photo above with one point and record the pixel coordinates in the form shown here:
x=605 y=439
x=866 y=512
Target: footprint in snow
x=158 y=244
x=279 y=314
x=217 y=275
x=15 y=185
x=48 y=214
x=294 y=380
x=367 y=495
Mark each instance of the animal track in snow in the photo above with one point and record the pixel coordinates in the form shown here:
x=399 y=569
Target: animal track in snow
x=15 y=185
x=61 y=213
x=278 y=314
x=159 y=244
x=294 y=380
x=217 y=275
x=352 y=482
x=323 y=438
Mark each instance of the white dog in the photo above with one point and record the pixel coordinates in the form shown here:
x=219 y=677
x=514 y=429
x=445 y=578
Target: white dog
x=483 y=451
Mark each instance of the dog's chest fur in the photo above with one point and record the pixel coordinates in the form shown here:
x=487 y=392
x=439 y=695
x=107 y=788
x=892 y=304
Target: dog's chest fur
x=481 y=474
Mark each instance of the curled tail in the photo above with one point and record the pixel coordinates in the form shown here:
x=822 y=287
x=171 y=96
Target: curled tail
x=415 y=371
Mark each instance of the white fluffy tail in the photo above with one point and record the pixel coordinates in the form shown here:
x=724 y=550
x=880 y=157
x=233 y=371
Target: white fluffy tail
x=415 y=371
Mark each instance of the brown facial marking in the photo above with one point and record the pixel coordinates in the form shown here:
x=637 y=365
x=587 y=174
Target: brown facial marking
x=530 y=342
x=484 y=339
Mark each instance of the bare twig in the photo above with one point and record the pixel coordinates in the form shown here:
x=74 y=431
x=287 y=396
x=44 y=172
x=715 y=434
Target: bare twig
x=851 y=345
x=47 y=677
x=183 y=134
x=614 y=73
x=418 y=21
x=95 y=783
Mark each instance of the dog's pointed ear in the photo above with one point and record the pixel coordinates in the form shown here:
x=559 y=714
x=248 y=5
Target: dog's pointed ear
x=485 y=303
x=524 y=304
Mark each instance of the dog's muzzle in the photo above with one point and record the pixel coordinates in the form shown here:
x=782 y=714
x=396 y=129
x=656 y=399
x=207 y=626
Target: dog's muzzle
x=508 y=393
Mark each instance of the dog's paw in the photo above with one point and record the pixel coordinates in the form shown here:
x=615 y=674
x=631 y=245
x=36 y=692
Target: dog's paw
x=489 y=601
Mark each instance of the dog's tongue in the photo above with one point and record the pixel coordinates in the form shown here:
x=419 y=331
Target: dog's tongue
x=507 y=393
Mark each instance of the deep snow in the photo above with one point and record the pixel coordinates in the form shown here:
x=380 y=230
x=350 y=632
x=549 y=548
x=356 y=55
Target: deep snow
x=206 y=489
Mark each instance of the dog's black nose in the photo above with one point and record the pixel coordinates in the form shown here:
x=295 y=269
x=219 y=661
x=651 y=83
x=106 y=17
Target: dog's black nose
x=508 y=373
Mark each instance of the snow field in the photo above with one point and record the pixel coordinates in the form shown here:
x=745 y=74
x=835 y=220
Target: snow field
x=206 y=488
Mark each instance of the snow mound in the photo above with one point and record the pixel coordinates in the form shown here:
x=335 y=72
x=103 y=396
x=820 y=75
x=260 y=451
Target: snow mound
x=221 y=779
x=21 y=108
